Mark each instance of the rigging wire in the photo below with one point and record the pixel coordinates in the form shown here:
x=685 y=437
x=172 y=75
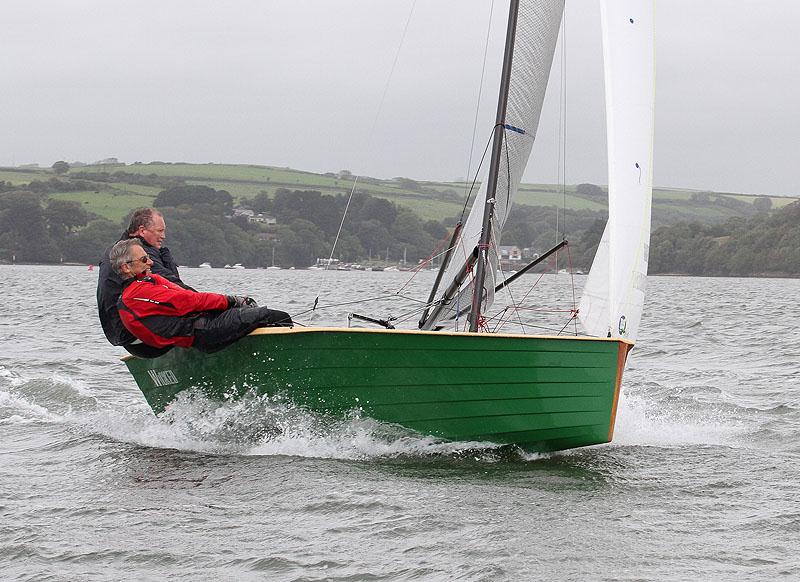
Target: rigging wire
x=563 y=124
x=561 y=171
x=356 y=301
x=518 y=307
x=514 y=308
x=541 y=327
x=468 y=191
x=470 y=187
x=478 y=170
x=561 y=139
x=460 y=242
x=496 y=238
x=563 y=147
x=370 y=136
x=574 y=302
x=461 y=219
x=428 y=260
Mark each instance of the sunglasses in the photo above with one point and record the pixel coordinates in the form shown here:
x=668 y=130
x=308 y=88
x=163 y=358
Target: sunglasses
x=143 y=259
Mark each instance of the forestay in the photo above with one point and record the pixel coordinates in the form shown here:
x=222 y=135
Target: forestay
x=613 y=297
x=534 y=44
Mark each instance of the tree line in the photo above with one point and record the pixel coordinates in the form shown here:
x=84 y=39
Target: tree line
x=202 y=226
x=767 y=244
x=307 y=224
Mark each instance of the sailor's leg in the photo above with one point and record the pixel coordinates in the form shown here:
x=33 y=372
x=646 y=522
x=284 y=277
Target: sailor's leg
x=142 y=350
x=217 y=330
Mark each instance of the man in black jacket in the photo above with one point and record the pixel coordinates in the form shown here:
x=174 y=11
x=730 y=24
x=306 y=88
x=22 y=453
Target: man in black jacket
x=147 y=225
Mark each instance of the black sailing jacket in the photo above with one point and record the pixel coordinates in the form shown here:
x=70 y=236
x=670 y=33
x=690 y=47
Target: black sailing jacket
x=109 y=289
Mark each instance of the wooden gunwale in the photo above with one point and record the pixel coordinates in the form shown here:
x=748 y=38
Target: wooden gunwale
x=296 y=330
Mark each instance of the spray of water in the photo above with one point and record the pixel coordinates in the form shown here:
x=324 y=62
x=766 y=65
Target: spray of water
x=252 y=425
x=643 y=420
x=257 y=425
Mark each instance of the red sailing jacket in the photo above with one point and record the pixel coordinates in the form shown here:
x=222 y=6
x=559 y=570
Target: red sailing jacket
x=161 y=313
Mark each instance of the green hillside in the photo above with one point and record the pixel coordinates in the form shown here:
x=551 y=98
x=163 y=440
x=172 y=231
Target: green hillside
x=49 y=216
x=114 y=192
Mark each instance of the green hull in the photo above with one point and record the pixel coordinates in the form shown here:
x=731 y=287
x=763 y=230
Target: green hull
x=541 y=393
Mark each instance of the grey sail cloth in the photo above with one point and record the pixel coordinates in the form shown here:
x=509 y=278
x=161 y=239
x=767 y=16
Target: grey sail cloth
x=109 y=289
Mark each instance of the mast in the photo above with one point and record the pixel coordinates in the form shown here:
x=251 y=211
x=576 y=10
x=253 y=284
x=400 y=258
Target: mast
x=497 y=146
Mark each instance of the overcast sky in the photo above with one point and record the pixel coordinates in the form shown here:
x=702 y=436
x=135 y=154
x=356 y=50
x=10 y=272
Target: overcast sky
x=299 y=83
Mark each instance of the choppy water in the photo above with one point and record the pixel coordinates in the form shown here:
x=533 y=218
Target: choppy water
x=701 y=482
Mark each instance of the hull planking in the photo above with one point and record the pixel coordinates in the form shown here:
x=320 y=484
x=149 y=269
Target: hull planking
x=542 y=393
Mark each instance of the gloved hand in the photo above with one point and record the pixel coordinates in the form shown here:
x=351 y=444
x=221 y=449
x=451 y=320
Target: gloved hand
x=241 y=301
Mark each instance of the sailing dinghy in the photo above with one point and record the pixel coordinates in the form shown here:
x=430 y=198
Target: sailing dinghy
x=541 y=393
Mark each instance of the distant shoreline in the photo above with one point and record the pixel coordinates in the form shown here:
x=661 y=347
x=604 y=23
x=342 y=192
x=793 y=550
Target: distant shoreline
x=758 y=276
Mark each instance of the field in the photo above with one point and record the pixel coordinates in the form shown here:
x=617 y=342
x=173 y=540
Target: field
x=430 y=200
x=18 y=176
x=113 y=205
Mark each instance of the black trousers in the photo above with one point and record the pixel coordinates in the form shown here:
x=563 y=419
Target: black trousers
x=219 y=329
x=144 y=351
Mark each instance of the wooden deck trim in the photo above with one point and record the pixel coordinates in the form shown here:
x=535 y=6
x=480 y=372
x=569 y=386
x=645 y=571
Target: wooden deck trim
x=290 y=330
x=624 y=345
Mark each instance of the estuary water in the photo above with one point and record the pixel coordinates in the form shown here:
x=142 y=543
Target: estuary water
x=700 y=482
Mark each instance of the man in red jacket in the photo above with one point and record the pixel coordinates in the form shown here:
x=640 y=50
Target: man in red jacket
x=162 y=314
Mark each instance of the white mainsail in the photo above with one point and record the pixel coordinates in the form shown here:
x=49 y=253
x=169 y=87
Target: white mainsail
x=613 y=298
x=537 y=28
